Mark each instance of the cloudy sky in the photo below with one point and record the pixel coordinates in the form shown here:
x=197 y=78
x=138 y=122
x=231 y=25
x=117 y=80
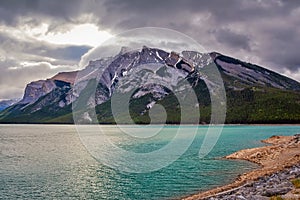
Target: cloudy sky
x=39 y=38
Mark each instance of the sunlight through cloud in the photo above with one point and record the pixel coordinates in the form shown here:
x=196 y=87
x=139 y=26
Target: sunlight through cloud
x=84 y=34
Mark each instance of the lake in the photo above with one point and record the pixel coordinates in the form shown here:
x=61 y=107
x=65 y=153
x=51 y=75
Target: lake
x=50 y=162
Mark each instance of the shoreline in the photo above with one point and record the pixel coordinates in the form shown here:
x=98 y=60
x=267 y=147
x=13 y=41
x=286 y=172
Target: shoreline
x=282 y=154
x=202 y=125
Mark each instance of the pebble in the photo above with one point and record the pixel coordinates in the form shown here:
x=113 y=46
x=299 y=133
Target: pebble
x=276 y=184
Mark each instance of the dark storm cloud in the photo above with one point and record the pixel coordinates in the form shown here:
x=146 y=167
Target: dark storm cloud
x=64 y=10
x=168 y=12
x=267 y=31
x=14 y=80
x=264 y=32
x=284 y=55
x=230 y=38
x=63 y=53
x=259 y=31
x=69 y=53
x=45 y=60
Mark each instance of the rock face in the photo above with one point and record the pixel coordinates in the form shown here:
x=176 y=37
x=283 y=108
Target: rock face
x=35 y=90
x=248 y=74
x=129 y=62
x=68 y=77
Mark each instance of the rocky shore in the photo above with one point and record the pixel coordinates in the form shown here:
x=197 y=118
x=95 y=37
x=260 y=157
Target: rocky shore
x=278 y=178
x=278 y=185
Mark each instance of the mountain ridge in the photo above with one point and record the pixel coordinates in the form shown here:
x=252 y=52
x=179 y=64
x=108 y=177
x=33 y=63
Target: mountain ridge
x=242 y=81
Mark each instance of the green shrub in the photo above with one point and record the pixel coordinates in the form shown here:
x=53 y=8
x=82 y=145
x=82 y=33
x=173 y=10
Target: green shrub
x=276 y=198
x=296 y=183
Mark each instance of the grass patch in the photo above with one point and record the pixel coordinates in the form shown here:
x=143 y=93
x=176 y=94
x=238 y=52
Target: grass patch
x=296 y=183
x=276 y=198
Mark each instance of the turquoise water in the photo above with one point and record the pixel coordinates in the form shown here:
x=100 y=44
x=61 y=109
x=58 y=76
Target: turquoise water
x=49 y=162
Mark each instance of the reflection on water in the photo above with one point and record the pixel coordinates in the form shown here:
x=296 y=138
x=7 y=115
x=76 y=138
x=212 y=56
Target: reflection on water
x=49 y=162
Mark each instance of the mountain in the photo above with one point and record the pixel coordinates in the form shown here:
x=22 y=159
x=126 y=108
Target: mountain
x=254 y=94
x=68 y=77
x=8 y=102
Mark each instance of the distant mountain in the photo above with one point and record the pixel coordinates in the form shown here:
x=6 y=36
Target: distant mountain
x=254 y=94
x=8 y=102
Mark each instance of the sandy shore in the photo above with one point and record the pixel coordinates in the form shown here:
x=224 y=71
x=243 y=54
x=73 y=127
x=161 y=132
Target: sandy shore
x=283 y=153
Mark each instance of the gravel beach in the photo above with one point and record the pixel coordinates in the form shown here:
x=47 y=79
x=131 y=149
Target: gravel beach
x=277 y=178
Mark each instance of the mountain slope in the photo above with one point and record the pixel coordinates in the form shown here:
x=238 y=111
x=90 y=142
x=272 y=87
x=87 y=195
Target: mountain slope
x=254 y=94
x=249 y=74
x=6 y=103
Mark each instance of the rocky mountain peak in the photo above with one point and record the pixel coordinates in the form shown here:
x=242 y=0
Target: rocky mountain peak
x=68 y=77
x=36 y=89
